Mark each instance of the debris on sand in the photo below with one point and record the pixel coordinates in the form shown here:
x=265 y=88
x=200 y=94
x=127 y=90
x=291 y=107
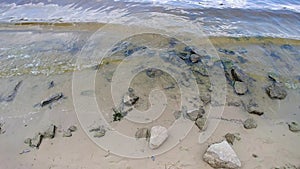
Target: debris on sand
x=11 y=96
x=98 y=131
x=51 y=99
x=50 y=132
x=158 y=136
x=250 y=123
x=36 y=141
x=230 y=138
x=276 y=91
x=221 y=155
x=2 y=131
x=142 y=133
x=67 y=133
x=294 y=126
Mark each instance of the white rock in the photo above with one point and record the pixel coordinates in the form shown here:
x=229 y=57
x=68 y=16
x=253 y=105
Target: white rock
x=158 y=136
x=221 y=155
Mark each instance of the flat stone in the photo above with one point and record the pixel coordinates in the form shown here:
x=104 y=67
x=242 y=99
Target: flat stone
x=99 y=134
x=221 y=155
x=240 y=88
x=142 y=133
x=205 y=99
x=294 y=126
x=158 y=136
x=250 y=123
x=276 y=91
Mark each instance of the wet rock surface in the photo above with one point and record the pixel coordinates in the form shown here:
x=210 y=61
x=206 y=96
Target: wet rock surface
x=250 y=123
x=221 y=155
x=159 y=135
x=276 y=91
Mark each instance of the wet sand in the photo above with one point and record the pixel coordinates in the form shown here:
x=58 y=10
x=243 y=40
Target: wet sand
x=272 y=141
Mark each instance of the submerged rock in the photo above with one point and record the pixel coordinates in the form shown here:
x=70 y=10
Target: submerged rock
x=240 y=88
x=158 y=136
x=294 y=126
x=142 y=133
x=253 y=108
x=250 y=123
x=221 y=155
x=276 y=91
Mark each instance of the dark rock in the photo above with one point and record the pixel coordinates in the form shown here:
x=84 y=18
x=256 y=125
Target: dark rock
x=254 y=155
x=240 y=88
x=276 y=91
x=230 y=138
x=194 y=115
x=201 y=123
x=142 y=133
x=294 y=126
x=50 y=132
x=10 y=97
x=250 y=123
x=51 y=99
x=129 y=52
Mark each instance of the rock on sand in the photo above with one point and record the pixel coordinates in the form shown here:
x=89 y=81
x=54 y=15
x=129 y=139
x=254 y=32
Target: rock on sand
x=158 y=136
x=221 y=155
